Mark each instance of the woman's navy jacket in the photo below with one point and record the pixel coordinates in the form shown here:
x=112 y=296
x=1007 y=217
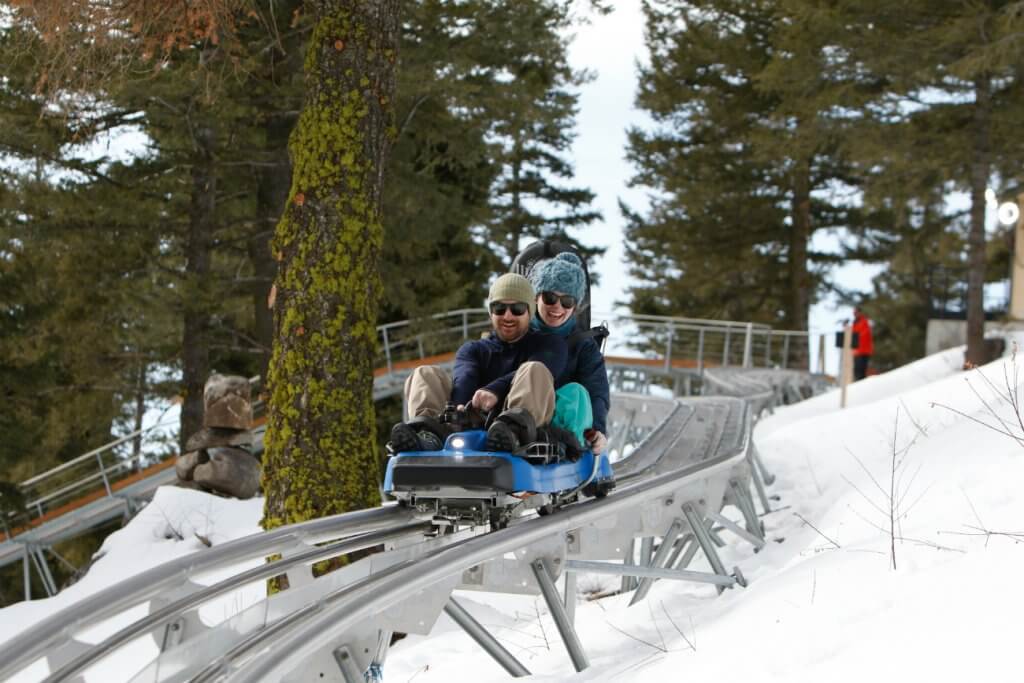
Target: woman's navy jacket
x=585 y=365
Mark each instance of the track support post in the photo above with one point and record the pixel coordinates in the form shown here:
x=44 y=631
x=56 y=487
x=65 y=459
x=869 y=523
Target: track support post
x=484 y=639
x=659 y=560
x=565 y=627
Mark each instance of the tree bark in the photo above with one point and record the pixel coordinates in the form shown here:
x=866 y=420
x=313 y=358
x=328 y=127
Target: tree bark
x=321 y=456
x=799 y=235
x=980 y=168
x=196 y=336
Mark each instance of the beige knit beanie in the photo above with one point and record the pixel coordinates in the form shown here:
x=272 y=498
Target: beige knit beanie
x=513 y=287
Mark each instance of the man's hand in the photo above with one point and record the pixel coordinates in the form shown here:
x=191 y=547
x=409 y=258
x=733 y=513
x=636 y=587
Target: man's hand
x=598 y=442
x=484 y=400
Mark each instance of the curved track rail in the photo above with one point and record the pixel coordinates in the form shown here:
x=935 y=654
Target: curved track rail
x=691 y=458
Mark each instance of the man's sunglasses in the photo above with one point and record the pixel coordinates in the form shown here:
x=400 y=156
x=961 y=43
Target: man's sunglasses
x=518 y=308
x=549 y=299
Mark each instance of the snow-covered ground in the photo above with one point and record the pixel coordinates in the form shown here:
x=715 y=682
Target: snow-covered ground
x=835 y=596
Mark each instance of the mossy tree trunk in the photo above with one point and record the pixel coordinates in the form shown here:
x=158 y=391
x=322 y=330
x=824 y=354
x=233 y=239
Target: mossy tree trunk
x=321 y=452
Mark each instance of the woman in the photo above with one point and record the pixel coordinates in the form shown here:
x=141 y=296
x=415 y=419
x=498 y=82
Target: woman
x=581 y=402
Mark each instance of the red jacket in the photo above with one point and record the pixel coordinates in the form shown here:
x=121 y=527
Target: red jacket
x=862 y=328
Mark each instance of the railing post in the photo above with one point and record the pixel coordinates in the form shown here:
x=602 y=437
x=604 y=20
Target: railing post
x=748 y=342
x=700 y=353
x=768 y=350
x=419 y=344
x=465 y=325
x=387 y=350
x=725 y=349
x=668 y=347
x=785 y=352
x=103 y=473
x=26 y=572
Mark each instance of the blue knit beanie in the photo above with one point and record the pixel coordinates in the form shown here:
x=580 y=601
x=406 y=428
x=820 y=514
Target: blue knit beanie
x=563 y=273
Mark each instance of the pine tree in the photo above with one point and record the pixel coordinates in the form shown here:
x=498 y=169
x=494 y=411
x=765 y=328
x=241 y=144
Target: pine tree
x=953 y=79
x=530 y=108
x=751 y=104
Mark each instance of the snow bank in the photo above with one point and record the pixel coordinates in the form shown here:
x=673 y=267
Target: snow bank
x=833 y=597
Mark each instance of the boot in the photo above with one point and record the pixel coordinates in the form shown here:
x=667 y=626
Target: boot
x=418 y=434
x=511 y=430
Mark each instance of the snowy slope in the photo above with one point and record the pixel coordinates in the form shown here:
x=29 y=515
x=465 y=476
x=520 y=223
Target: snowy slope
x=823 y=604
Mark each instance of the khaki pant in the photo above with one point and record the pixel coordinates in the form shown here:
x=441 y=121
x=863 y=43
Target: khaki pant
x=428 y=389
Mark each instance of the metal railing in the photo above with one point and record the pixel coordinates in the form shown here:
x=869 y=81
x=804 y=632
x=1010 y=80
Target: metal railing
x=102 y=469
x=690 y=343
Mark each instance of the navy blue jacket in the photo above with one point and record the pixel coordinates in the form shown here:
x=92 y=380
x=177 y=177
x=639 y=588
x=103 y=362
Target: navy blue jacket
x=585 y=366
x=491 y=363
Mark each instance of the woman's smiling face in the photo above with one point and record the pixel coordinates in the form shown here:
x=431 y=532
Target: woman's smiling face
x=553 y=315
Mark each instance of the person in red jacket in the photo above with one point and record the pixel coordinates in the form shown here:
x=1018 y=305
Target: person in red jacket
x=861 y=354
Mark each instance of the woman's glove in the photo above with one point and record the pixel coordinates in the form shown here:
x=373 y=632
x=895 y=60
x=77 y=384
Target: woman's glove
x=597 y=441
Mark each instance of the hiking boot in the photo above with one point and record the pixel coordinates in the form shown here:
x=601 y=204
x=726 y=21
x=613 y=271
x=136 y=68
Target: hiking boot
x=405 y=437
x=500 y=437
x=511 y=430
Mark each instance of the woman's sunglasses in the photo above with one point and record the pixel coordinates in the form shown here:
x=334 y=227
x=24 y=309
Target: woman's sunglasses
x=518 y=308
x=549 y=299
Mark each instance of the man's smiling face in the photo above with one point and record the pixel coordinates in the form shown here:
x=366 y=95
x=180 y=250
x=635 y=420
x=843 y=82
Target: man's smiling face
x=507 y=324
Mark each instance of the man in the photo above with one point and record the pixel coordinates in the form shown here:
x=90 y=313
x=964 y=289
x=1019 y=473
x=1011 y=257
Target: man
x=512 y=371
x=861 y=354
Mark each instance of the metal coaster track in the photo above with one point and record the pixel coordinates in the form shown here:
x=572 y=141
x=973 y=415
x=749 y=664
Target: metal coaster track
x=691 y=458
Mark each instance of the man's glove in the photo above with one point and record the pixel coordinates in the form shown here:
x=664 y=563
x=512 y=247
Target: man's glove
x=484 y=401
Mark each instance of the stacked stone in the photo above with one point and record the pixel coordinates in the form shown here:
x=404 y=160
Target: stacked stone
x=218 y=457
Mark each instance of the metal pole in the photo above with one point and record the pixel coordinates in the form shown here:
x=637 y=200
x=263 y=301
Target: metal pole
x=651 y=573
x=103 y=473
x=732 y=526
x=687 y=557
x=387 y=350
x=700 y=353
x=668 y=348
x=570 y=596
x=646 y=551
x=748 y=346
x=768 y=349
x=484 y=639
x=628 y=561
x=677 y=549
x=725 y=348
x=44 y=574
x=845 y=364
x=759 y=486
x=26 y=572
x=465 y=325
x=785 y=351
x=550 y=593
x=768 y=477
x=746 y=505
x=704 y=539
x=659 y=560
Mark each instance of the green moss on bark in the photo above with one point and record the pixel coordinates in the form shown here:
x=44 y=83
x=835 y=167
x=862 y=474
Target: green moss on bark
x=321 y=456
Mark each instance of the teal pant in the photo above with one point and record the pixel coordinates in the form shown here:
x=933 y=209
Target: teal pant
x=573 y=411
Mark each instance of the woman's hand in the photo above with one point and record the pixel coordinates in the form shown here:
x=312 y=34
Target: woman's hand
x=598 y=442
